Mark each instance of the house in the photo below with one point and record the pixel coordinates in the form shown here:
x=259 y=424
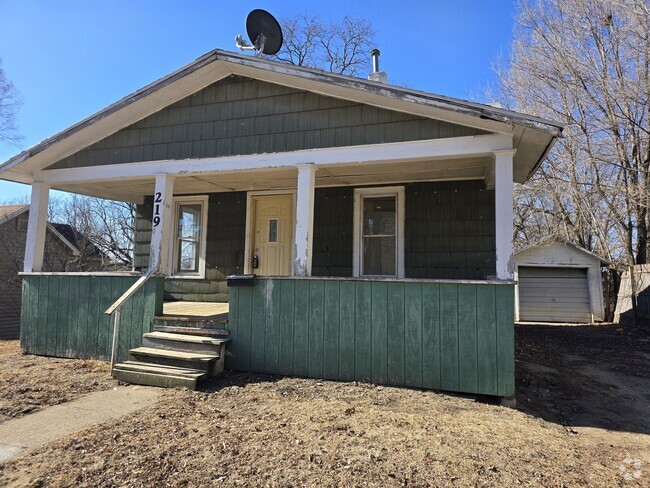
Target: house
x=559 y=282
x=376 y=219
x=59 y=253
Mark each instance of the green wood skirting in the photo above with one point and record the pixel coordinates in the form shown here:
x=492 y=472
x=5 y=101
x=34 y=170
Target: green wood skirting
x=446 y=336
x=63 y=316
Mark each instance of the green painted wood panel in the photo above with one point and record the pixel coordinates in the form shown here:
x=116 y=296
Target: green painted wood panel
x=238 y=116
x=379 y=334
x=316 y=330
x=63 y=316
x=448 y=336
x=413 y=334
x=285 y=338
x=347 y=299
x=395 y=322
x=467 y=338
x=431 y=336
x=331 y=329
x=301 y=330
x=362 y=330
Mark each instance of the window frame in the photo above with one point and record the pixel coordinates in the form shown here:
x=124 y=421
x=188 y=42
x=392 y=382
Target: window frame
x=203 y=201
x=376 y=192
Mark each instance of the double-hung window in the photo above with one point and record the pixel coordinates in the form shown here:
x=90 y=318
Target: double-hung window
x=379 y=231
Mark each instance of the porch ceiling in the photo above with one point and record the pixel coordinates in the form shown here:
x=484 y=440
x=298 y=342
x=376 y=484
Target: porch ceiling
x=286 y=178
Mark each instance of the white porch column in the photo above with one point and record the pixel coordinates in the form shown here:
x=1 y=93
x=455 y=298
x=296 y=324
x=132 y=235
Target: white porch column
x=162 y=224
x=304 y=220
x=504 y=215
x=36 y=228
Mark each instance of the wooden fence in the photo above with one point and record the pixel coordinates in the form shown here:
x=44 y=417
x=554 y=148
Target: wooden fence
x=440 y=335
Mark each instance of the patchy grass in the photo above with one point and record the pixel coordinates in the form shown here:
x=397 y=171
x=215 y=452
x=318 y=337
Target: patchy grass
x=252 y=430
x=28 y=383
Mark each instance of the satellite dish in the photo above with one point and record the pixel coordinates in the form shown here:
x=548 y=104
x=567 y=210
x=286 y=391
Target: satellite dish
x=263 y=31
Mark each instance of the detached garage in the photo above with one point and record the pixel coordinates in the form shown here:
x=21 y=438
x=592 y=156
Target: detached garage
x=559 y=282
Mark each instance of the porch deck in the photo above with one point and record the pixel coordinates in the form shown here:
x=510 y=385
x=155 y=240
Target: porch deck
x=196 y=310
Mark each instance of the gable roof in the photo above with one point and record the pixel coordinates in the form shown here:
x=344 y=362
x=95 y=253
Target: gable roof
x=8 y=212
x=532 y=136
x=551 y=242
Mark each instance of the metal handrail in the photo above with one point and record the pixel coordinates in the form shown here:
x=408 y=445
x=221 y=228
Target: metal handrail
x=116 y=309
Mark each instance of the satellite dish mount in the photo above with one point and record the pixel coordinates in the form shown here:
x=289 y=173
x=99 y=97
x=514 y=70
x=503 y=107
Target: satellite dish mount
x=264 y=33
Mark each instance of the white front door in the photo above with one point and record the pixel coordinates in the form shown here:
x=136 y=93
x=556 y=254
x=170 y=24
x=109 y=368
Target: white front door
x=272 y=235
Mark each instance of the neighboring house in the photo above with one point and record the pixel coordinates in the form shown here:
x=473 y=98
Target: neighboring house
x=59 y=253
x=378 y=220
x=89 y=257
x=559 y=282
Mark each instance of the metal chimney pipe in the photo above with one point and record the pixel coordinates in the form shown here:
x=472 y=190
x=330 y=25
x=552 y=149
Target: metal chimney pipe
x=375 y=60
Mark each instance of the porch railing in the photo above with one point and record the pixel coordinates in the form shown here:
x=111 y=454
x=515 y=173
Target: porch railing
x=116 y=310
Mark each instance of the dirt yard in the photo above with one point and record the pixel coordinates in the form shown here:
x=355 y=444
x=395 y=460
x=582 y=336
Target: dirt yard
x=28 y=383
x=583 y=393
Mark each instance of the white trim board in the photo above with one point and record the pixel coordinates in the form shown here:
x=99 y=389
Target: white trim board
x=448 y=148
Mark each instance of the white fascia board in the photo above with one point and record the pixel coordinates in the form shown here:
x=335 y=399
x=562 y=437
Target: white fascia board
x=449 y=148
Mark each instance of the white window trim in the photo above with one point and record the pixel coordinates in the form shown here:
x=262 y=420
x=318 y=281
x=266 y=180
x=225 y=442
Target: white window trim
x=173 y=249
x=384 y=191
x=250 y=223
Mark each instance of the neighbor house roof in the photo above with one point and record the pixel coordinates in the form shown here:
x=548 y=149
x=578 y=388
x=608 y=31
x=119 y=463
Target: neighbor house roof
x=76 y=239
x=8 y=212
x=551 y=242
x=532 y=136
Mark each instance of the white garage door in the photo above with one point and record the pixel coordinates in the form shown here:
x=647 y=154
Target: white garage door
x=553 y=295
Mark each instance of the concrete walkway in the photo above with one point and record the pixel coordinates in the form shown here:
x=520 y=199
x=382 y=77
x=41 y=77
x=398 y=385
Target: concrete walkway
x=37 y=429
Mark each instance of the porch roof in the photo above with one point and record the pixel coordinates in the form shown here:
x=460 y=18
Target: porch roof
x=532 y=137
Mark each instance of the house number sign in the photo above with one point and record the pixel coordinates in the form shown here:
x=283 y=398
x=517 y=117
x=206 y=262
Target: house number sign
x=158 y=200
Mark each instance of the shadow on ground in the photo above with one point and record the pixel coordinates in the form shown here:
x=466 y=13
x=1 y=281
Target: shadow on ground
x=585 y=376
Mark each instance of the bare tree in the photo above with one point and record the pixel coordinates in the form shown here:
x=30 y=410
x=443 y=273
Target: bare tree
x=9 y=104
x=103 y=229
x=586 y=63
x=342 y=47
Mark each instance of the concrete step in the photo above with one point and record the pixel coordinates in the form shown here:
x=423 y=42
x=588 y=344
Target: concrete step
x=181 y=359
x=165 y=377
x=184 y=342
x=192 y=331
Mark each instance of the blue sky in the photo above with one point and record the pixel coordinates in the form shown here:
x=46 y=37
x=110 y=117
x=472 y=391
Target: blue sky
x=70 y=59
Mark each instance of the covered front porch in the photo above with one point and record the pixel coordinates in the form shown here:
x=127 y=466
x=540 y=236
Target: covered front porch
x=394 y=267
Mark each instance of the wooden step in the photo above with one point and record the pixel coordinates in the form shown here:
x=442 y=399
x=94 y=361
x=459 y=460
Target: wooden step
x=162 y=376
x=182 y=359
x=192 y=331
x=184 y=342
x=216 y=322
x=157 y=368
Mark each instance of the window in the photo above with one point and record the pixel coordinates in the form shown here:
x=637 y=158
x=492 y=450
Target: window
x=190 y=237
x=21 y=224
x=378 y=237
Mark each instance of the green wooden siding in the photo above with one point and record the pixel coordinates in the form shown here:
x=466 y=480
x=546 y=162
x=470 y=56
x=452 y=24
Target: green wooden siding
x=449 y=231
x=63 y=316
x=436 y=335
x=449 y=234
x=237 y=116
